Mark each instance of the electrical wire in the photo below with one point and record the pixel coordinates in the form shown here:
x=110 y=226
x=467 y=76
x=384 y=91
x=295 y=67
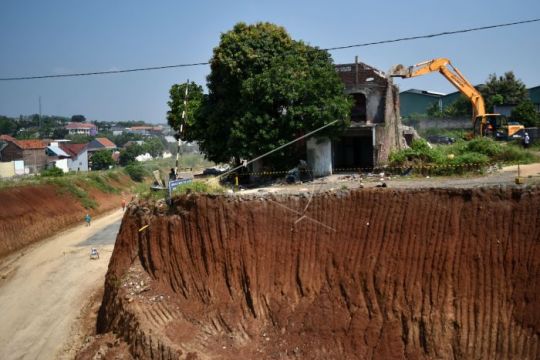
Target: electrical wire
x=428 y=36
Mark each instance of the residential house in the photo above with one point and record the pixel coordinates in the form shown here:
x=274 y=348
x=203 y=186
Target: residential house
x=4 y=140
x=78 y=160
x=57 y=157
x=101 y=144
x=146 y=130
x=118 y=130
x=82 y=128
x=375 y=128
x=32 y=152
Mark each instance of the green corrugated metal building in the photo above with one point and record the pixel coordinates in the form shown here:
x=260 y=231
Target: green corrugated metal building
x=414 y=101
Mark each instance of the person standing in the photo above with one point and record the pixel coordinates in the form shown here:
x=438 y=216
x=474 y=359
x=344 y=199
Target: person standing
x=88 y=219
x=526 y=140
x=123 y=204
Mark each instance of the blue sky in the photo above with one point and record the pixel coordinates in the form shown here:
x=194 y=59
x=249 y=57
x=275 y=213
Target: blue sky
x=53 y=37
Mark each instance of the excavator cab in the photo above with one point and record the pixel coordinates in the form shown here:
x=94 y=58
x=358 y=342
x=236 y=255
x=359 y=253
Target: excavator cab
x=496 y=126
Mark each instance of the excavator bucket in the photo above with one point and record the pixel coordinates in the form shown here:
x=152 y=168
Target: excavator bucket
x=399 y=71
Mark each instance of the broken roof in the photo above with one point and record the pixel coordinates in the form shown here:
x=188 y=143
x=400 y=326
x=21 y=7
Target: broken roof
x=367 y=75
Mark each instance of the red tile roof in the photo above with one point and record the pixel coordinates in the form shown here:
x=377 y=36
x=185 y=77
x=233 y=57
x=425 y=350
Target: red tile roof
x=73 y=149
x=106 y=142
x=30 y=144
x=7 y=138
x=76 y=125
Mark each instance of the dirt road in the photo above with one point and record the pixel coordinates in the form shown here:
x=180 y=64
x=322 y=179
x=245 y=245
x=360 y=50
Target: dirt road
x=43 y=289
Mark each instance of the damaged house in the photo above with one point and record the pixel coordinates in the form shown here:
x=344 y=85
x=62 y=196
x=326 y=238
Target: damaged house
x=375 y=128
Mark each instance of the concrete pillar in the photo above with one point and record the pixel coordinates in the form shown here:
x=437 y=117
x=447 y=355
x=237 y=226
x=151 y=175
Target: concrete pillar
x=319 y=156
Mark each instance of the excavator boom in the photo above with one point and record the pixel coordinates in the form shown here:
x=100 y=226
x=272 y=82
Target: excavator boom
x=451 y=73
x=481 y=120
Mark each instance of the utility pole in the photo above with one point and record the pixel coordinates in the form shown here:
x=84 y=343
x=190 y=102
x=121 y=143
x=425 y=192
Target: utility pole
x=181 y=132
x=39 y=100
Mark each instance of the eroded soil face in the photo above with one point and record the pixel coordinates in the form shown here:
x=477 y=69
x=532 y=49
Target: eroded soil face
x=373 y=273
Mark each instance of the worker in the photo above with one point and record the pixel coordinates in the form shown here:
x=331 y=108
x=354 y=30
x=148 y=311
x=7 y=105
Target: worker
x=87 y=218
x=526 y=140
x=172 y=175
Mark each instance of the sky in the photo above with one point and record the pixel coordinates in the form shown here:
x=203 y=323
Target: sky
x=66 y=36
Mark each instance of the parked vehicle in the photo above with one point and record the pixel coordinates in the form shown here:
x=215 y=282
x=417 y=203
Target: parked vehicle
x=441 y=139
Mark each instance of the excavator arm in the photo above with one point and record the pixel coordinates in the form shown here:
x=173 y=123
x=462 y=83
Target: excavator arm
x=451 y=73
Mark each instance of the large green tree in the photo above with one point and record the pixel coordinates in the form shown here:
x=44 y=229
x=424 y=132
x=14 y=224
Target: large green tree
x=506 y=89
x=266 y=89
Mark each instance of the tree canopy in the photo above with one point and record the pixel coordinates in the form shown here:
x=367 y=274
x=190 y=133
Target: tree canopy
x=525 y=112
x=265 y=89
x=506 y=89
x=195 y=98
x=102 y=160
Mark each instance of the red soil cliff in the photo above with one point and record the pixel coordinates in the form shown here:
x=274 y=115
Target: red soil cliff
x=412 y=274
x=31 y=213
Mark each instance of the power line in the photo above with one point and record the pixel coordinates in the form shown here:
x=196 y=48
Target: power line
x=433 y=35
x=445 y=33
x=102 y=72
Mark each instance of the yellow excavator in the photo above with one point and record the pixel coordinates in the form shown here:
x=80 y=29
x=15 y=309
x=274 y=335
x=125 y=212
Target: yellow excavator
x=494 y=125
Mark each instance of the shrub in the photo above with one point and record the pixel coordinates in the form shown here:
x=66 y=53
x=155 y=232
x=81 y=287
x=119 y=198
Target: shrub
x=136 y=172
x=52 y=172
x=419 y=152
x=515 y=154
x=484 y=146
x=198 y=187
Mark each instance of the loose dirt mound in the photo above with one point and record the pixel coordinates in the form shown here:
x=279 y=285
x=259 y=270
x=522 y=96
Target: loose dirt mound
x=389 y=274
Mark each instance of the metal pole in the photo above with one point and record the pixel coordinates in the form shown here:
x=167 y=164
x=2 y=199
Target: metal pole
x=180 y=133
x=39 y=100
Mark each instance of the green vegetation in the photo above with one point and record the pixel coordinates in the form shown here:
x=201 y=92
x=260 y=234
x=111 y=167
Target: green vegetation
x=461 y=157
x=136 y=172
x=99 y=181
x=77 y=184
x=506 y=89
x=206 y=187
x=102 y=160
x=153 y=146
x=525 y=112
x=462 y=107
x=66 y=185
x=265 y=89
x=53 y=172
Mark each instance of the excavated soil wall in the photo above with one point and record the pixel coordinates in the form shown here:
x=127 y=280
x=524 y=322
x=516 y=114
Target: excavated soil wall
x=32 y=213
x=370 y=274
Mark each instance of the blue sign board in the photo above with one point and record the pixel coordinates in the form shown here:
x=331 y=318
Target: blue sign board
x=175 y=183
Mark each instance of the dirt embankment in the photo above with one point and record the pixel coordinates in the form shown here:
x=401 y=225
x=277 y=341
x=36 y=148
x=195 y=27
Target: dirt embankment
x=388 y=274
x=32 y=213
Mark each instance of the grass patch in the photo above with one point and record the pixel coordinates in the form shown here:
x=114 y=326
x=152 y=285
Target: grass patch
x=205 y=187
x=98 y=181
x=66 y=185
x=460 y=157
